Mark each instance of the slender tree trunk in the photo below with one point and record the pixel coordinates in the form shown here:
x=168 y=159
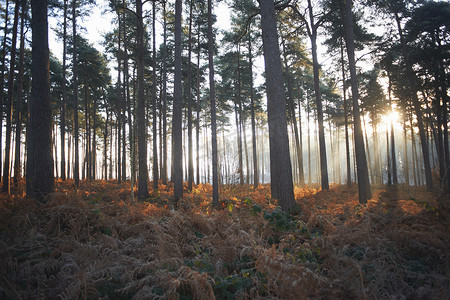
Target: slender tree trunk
x=212 y=96
x=9 y=103
x=177 y=133
x=141 y=123
x=347 y=143
x=17 y=165
x=239 y=142
x=393 y=154
x=155 y=121
x=76 y=168
x=300 y=149
x=2 y=79
x=369 y=162
x=282 y=187
x=291 y=110
x=94 y=141
x=164 y=100
x=189 y=100
x=309 y=143
x=105 y=147
x=198 y=105
x=405 y=152
x=247 y=180
x=252 y=113
x=322 y=145
x=40 y=180
x=389 y=180
x=64 y=97
x=362 y=172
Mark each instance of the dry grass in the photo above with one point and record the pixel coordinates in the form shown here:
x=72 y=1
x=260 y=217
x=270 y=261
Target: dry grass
x=97 y=243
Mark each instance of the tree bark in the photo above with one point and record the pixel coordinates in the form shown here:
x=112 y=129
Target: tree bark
x=76 y=167
x=252 y=113
x=64 y=97
x=282 y=187
x=164 y=101
x=40 y=181
x=212 y=96
x=322 y=146
x=17 y=167
x=177 y=134
x=155 y=120
x=141 y=123
x=9 y=102
x=2 y=78
x=189 y=100
x=362 y=171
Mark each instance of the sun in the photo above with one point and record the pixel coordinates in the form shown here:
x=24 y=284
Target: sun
x=391 y=117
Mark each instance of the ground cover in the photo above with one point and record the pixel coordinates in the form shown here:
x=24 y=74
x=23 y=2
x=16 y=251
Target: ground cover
x=98 y=243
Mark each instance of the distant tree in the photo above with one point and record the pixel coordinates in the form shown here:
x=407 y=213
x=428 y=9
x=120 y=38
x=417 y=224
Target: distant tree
x=40 y=181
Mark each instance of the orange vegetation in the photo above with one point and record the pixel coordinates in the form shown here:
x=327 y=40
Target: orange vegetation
x=99 y=243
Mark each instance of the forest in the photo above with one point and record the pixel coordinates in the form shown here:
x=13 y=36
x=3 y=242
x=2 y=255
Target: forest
x=224 y=149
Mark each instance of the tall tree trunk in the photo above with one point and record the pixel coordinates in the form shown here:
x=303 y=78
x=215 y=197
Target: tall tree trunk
x=417 y=108
x=87 y=133
x=177 y=133
x=212 y=96
x=252 y=113
x=282 y=187
x=198 y=105
x=141 y=123
x=362 y=171
x=291 y=110
x=164 y=100
x=309 y=141
x=94 y=141
x=40 y=181
x=155 y=133
x=2 y=79
x=76 y=168
x=17 y=167
x=64 y=97
x=322 y=145
x=347 y=143
x=393 y=154
x=9 y=102
x=189 y=100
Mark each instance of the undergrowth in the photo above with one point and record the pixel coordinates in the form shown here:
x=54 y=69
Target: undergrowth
x=98 y=243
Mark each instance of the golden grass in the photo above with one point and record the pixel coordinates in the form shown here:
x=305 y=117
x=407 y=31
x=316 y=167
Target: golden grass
x=97 y=243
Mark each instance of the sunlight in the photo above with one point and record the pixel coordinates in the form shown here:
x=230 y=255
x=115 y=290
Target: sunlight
x=392 y=116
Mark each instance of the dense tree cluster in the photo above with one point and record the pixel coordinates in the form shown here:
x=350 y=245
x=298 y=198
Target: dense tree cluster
x=143 y=108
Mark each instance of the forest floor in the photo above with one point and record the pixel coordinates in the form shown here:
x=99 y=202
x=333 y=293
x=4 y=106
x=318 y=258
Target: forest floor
x=98 y=243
